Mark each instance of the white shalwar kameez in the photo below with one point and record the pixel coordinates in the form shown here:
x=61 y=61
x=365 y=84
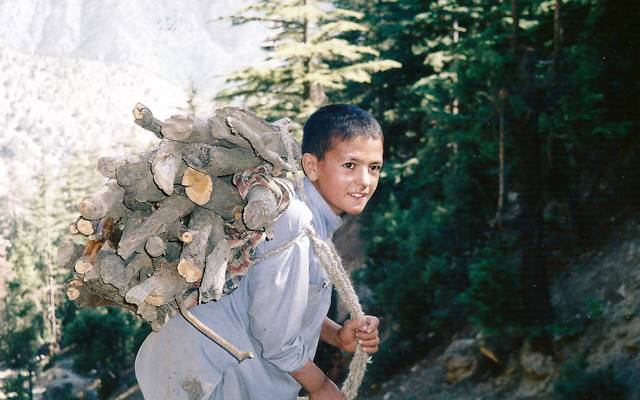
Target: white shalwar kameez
x=276 y=312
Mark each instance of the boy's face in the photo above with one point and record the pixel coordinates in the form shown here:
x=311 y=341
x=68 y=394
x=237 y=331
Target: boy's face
x=348 y=174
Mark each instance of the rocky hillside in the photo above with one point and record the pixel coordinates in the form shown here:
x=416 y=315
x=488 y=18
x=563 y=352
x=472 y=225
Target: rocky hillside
x=597 y=302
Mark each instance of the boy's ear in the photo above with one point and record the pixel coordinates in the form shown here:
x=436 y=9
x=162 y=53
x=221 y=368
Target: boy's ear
x=310 y=166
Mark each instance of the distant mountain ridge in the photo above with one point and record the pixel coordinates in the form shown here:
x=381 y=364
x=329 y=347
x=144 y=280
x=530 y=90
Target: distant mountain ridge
x=180 y=41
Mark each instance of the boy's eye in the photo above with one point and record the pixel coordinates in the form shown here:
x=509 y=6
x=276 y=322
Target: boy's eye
x=375 y=167
x=349 y=165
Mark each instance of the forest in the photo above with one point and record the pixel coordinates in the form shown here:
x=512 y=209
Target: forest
x=511 y=149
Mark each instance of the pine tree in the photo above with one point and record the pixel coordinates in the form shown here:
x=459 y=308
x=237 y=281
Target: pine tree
x=307 y=60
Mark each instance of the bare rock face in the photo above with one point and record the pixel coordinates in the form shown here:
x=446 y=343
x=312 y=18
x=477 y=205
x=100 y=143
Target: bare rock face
x=461 y=359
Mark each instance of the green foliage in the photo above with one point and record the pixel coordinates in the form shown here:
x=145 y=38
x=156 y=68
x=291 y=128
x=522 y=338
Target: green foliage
x=492 y=296
x=578 y=384
x=22 y=328
x=105 y=340
x=307 y=59
x=17 y=386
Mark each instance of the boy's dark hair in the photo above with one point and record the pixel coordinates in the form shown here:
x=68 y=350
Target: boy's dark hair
x=337 y=122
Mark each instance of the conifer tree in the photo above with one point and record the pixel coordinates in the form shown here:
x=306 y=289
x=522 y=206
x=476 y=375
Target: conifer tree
x=307 y=61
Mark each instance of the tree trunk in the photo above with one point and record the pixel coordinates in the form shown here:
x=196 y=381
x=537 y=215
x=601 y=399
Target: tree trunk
x=524 y=127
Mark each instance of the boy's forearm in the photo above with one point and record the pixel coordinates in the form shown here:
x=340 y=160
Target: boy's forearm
x=315 y=382
x=329 y=332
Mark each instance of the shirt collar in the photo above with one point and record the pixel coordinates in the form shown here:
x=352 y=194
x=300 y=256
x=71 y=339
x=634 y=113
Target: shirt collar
x=324 y=219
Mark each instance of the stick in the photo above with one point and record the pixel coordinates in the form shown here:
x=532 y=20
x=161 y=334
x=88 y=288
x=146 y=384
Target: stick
x=240 y=355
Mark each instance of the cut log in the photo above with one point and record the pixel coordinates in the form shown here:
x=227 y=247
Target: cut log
x=138 y=179
x=107 y=166
x=107 y=200
x=218 y=160
x=172 y=209
x=188 y=129
x=198 y=186
x=112 y=271
x=156 y=246
x=225 y=199
x=92 y=295
x=68 y=253
x=166 y=164
x=160 y=288
x=191 y=265
x=83 y=297
x=145 y=119
x=216 y=264
x=86 y=227
x=261 y=208
x=164 y=313
x=132 y=223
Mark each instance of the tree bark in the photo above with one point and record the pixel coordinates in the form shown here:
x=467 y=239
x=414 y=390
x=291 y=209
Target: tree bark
x=534 y=281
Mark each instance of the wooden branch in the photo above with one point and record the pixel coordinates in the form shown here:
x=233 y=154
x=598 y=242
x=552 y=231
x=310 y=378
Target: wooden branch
x=88 y=258
x=215 y=264
x=218 y=160
x=188 y=129
x=172 y=209
x=166 y=163
x=191 y=265
x=107 y=200
x=220 y=130
x=265 y=138
x=95 y=294
x=180 y=232
x=145 y=119
x=240 y=355
x=108 y=166
x=261 y=208
x=198 y=186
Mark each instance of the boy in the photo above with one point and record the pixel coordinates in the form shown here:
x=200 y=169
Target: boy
x=279 y=310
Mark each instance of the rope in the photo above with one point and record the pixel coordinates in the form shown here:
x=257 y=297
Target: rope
x=330 y=260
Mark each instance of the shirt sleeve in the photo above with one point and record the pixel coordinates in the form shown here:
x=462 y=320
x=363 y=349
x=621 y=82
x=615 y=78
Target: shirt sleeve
x=278 y=295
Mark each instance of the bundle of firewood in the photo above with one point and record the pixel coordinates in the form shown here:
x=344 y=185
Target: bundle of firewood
x=167 y=222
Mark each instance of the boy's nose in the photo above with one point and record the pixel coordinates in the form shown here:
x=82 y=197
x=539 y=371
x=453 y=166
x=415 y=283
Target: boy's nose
x=363 y=177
